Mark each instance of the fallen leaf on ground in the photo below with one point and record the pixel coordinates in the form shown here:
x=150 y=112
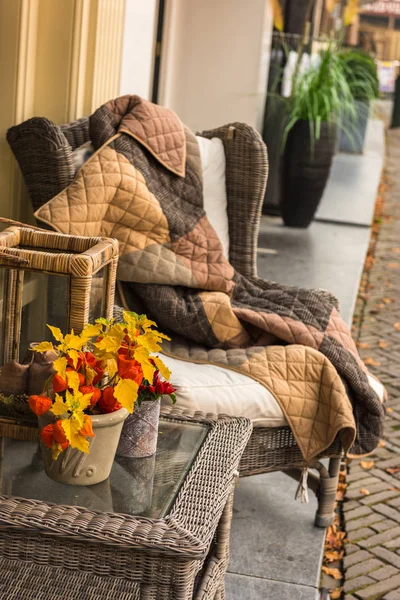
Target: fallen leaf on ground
x=382 y=344
x=370 y=361
x=388 y=300
x=393 y=265
x=365 y=492
x=394 y=489
x=397 y=250
x=363 y=344
x=366 y=464
x=334 y=538
x=397 y=326
x=336 y=594
x=333 y=572
x=392 y=470
x=381 y=444
x=332 y=555
x=388 y=409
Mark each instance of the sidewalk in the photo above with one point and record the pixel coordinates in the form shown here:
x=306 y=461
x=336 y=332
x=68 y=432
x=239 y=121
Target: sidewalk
x=372 y=510
x=276 y=551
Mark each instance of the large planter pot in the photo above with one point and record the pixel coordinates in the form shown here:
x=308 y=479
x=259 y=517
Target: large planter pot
x=140 y=431
x=274 y=124
x=352 y=134
x=77 y=468
x=305 y=173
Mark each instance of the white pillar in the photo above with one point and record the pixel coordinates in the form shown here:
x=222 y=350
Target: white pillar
x=215 y=60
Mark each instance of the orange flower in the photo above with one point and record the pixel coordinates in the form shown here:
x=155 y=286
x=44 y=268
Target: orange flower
x=108 y=403
x=39 y=404
x=90 y=359
x=91 y=389
x=129 y=368
x=59 y=434
x=59 y=383
x=47 y=435
x=87 y=429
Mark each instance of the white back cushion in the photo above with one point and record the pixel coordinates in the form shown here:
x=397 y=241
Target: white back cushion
x=214 y=187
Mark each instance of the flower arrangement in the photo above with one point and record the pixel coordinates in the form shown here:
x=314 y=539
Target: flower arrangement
x=109 y=365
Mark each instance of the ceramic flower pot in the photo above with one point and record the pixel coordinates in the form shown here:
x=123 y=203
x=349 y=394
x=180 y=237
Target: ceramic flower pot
x=139 y=433
x=77 y=468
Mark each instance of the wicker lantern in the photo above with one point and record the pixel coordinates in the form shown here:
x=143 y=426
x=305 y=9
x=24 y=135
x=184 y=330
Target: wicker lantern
x=47 y=277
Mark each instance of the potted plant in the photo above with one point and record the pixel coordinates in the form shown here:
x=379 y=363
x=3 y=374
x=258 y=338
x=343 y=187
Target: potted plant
x=99 y=376
x=319 y=95
x=361 y=74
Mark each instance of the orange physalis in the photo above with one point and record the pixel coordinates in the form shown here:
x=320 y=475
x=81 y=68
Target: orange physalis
x=90 y=389
x=39 y=404
x=129 y=368
x=87 y=429
x=108 y=403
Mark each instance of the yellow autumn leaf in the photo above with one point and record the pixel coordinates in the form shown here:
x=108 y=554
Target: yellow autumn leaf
x=71 y=428
x=90 y=375
x=142 y=355
x=164 y=370
x=112 y=339
x=56 y=450
x=277 y=14
x=74 y=356
x=60 y=366
x=43 y=347
x=126 y=392
x=110 y=366
x=73 y=342
x=73 y=380
x=56 y=331
x=91 y=331
x=59 y=407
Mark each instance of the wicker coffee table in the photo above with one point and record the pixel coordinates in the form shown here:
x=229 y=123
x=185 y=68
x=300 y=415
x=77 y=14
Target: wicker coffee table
x=158 y=528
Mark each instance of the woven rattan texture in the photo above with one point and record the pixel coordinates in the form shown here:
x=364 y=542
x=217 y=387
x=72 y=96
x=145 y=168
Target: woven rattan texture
x=159 y=557
x=246 y=181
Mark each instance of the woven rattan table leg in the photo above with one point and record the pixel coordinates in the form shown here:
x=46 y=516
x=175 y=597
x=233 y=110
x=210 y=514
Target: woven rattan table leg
x=220 y=594
x=327 y=492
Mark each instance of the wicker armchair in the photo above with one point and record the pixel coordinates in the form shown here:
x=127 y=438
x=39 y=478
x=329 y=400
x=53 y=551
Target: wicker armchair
x=44 y=153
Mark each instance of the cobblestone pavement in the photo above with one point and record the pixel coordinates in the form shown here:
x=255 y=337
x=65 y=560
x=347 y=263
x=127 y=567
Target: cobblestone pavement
x=372 y=506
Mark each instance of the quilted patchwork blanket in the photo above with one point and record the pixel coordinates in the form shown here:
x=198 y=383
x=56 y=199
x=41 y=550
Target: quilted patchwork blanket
x=143 y=186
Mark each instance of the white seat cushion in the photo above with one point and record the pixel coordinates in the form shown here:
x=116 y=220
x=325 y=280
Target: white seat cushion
x=213 y=389
x=212 y=155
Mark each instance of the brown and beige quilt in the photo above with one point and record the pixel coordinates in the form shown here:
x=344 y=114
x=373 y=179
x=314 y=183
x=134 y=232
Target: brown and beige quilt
x=143 y=186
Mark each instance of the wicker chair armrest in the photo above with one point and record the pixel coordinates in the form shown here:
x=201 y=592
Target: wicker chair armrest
x=246 y=181
x=44 y=156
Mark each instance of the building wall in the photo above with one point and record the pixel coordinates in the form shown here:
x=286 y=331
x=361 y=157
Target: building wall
x=215 y=58
x=138 y=47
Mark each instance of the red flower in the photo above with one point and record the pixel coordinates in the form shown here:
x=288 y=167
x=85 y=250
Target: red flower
x=129 y=368
x=90 y=389
x=39 y=404
x=108 y=403
x=99 y=376
x=90 y=359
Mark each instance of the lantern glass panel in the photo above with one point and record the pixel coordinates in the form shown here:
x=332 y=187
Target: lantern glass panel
x=98 y=294
x=44 y=301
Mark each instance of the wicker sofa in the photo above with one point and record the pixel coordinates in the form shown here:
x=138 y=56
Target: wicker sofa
x=44 y=153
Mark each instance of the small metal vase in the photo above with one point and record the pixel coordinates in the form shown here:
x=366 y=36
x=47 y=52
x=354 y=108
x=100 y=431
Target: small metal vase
x=140 y=431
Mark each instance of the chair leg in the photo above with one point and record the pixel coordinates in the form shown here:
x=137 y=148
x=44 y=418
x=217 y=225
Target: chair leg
x=326 y=493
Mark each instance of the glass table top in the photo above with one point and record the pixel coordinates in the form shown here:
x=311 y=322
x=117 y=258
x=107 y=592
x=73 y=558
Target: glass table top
x=137 y=486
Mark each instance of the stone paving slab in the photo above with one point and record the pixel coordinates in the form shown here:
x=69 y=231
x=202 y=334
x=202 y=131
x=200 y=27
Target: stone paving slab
x=378 y=334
